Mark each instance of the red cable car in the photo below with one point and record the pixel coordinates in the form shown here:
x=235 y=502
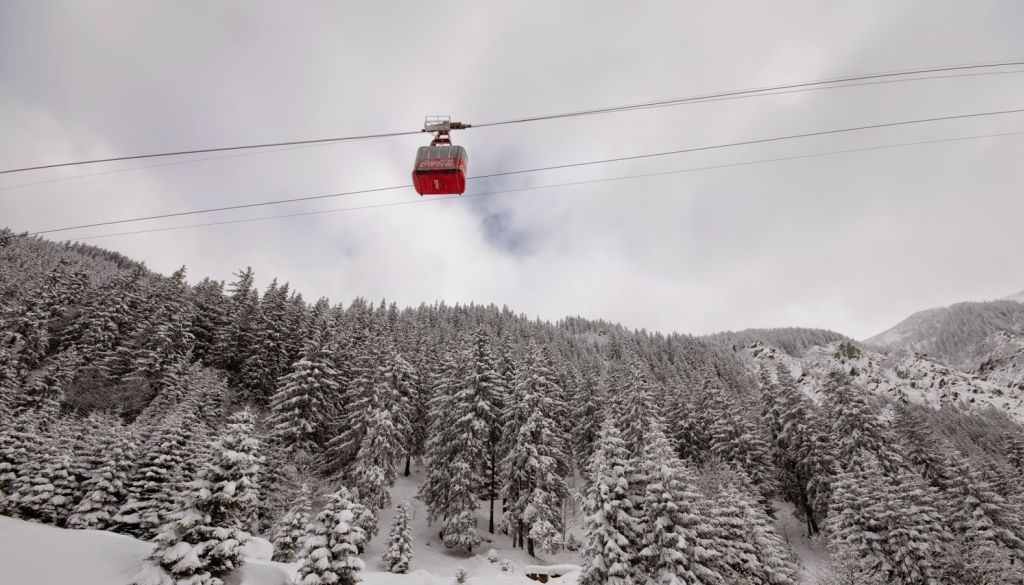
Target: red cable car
x=440 y=168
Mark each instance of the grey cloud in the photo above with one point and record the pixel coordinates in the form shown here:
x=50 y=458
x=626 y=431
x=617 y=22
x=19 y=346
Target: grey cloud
x=853 y=242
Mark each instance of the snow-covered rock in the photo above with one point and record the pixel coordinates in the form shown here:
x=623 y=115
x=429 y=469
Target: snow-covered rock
x=916 y=377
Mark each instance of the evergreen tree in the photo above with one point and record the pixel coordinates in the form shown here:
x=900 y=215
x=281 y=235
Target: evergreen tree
x=802 y=450
x=854 y=426
x=374 y=472
x=268 y=360
x=291 y=529
x=108 y=315
x=365 y=521
x=44 y=390
x=916 y=539
x=484 y=395
x=329 y=554
x=299 y=409
x=19 y=444
x=922 y=449
x=735 y=439
x=640 y=412
x=979 y=563
x=612 y=525
x=240 y=339
x=399 y=549
x=363 y=388
x=857 y=521
x=587 y=409
x=672 y=527
x=153 y=482
x=210 y=322
x=535 y=462
x=203 y=542
x=106 y=490
x=455 y=451
x=45 y=488
x=980 y=513
x=161 y=338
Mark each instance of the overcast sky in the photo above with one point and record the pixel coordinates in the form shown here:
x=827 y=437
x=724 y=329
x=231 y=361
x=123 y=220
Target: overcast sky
x=853 y=242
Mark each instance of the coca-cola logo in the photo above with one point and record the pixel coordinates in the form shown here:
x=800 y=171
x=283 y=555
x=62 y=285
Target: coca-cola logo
x=436 y=163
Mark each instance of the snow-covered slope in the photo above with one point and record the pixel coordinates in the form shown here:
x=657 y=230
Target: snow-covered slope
x=920 y=379
x=1019 y=297
x=38 y=554
x=981 y=338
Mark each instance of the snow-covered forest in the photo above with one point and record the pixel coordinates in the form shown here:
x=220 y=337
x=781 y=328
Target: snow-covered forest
x=200 y=414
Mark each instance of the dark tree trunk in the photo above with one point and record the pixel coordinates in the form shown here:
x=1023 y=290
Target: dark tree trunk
x=812 y=525
x=493 y=496
x=408 y=458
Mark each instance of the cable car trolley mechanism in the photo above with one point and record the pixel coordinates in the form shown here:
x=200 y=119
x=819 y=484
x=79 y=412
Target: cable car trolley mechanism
x=440 y=168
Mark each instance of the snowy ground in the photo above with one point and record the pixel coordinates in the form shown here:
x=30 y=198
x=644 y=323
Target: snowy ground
x=37 y=554
x=812 y=557
x=430 y=554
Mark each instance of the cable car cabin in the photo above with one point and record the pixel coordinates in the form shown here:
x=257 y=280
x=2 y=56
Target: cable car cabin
x=440 y=170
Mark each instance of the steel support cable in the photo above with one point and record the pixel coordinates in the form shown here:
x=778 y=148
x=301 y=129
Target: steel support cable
x=557 y=185
x=641 y=105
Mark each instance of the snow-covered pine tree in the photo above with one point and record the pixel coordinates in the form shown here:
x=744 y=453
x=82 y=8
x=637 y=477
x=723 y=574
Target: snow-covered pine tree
x=738 y=560
x=268 y=360
x=977 y=563
x=775 y=560
x=10 y=381
x=282 y=478
x=364 y=356
x=398 y=554
x=290 y=531
x=365 y=520
x=455 y=450
x=233 y=474
x=735 y=439
x=854 y=425
x=922 y=449
x=845 y=567
x=688 y=423
x=484 y=393
x=105 y=490
x=535 y=464
x=640 y=411
x=210 y=322
x=107 y=316
x=802 y=451
x=416 y=381
x=202 y=543
x=46 y=486
x=382 y=415
x=612 y=525
x=26 y=331
x=153 y=483
x=299 y=410
x=19 y=444
x=161 y=338
x=43 y=392
x=329 y=554
x=586 y=413
x=671 y=523
x=916 y=540
x=373 y=472
x=980 y=513
x=240 y=338
x=856 y=523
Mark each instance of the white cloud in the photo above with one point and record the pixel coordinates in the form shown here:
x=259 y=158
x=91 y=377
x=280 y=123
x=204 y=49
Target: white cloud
x=852 y=243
